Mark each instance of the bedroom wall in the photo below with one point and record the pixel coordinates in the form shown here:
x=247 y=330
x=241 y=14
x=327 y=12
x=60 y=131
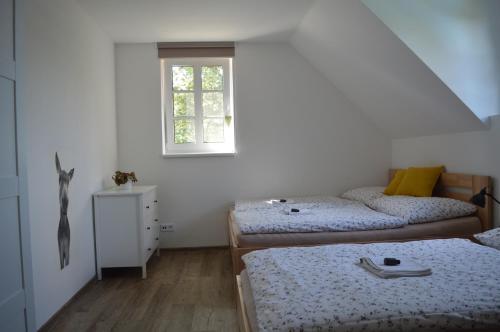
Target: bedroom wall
x=471 y=152
x=296 y=134
x=67 y=87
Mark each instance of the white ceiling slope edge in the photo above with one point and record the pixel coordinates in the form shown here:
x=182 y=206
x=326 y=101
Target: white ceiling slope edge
x=135 y=21
x=458 y=40
x=379 y=73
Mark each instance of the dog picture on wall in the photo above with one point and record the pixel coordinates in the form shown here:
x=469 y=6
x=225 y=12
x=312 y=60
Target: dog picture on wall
x=63 y=232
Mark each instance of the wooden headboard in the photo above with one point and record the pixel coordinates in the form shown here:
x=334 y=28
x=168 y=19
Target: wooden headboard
x=463 y=187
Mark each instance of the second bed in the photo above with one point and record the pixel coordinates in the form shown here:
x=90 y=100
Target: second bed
x=323 y=289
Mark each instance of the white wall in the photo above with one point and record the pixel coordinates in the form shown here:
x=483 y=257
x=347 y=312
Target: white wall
x=472 y=152
x=295 y=135
x=68 y=98
x=457 y=39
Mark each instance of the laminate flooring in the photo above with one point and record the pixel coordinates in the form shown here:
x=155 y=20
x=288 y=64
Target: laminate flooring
x=186 y=291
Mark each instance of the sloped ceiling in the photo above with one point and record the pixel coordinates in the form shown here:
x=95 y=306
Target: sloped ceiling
x=378 y=72
x=343 y=39
x=458 y=39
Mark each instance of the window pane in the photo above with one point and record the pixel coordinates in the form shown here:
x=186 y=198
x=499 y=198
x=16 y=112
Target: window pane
x=213 y=103
x=212 y=78
x=184 y=131
x=183 y=104
x=182 y=78
x=213 y=130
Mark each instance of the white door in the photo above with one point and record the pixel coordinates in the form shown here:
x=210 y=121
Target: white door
x=16 y=309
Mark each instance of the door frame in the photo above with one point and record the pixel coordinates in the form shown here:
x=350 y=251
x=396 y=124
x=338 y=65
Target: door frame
x=24 y=220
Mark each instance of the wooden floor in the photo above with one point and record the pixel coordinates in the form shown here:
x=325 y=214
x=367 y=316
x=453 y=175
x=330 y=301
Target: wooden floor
x=186 y=290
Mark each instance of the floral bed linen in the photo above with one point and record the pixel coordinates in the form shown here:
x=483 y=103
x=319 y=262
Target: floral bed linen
x=274 y=203
x=364 y=194
x=490 y=238
x=335 y=215
x=321 y=288
x=416 y=210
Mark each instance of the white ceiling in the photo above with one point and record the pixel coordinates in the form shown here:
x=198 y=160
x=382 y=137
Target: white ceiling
x=197 y=20
x=343 y=39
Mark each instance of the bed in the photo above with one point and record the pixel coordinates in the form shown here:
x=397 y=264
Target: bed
x=451 y=185
x=322 y=289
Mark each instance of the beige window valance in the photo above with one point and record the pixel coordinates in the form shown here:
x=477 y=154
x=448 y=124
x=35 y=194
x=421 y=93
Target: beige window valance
x=196 y=50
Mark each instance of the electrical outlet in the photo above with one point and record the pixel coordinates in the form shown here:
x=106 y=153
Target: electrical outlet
x=167 y=228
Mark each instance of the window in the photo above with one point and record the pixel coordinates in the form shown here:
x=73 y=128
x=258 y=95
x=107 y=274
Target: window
x=197 y=106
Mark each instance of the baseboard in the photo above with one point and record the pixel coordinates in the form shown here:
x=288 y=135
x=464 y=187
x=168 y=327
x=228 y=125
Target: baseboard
x=52 y=318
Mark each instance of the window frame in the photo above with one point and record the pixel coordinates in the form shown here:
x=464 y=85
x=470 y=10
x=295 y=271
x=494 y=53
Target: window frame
x=199 y=148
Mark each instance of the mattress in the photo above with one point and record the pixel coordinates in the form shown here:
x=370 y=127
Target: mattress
x=317 y=215
x=321 y=288
x=459 y=227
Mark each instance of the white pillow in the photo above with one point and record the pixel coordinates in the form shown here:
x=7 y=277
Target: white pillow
x=415 y=210
x=490 y=238
x=364 y=194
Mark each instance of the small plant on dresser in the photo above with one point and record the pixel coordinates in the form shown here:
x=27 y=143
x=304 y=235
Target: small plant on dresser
x=124 y=180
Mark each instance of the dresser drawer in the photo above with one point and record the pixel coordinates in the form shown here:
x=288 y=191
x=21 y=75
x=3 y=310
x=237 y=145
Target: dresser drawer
x=150 y=207
x=150 y=217
x=151 y=237
x=150 y=200
x=151 y=241
x=148 y=241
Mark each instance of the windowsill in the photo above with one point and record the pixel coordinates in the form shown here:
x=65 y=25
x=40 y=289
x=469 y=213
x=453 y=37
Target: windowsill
x=198 y=154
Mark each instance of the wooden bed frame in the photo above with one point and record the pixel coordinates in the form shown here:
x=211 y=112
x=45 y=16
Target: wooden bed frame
x=452 y=185
x=243 y=320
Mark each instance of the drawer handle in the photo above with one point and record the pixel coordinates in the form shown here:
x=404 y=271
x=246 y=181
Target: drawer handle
x=147 y=206
x=156 y=219
x=156 y=201
x=156 y=239
x=148 y=227
x=149 y=249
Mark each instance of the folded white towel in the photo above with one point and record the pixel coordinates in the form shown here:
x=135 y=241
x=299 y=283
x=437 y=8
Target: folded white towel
x=406 y=268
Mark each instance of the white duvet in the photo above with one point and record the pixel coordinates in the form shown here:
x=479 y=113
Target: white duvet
x=322 y=289
x=316 y=214
x=273 y=203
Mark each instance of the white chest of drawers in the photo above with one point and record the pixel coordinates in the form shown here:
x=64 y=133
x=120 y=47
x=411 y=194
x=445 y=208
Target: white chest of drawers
x=127 y=228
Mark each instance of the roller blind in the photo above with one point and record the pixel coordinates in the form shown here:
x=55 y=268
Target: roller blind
x=196 y=50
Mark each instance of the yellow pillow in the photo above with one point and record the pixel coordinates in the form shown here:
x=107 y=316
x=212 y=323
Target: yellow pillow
x=395 y=182
x=419 y=181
